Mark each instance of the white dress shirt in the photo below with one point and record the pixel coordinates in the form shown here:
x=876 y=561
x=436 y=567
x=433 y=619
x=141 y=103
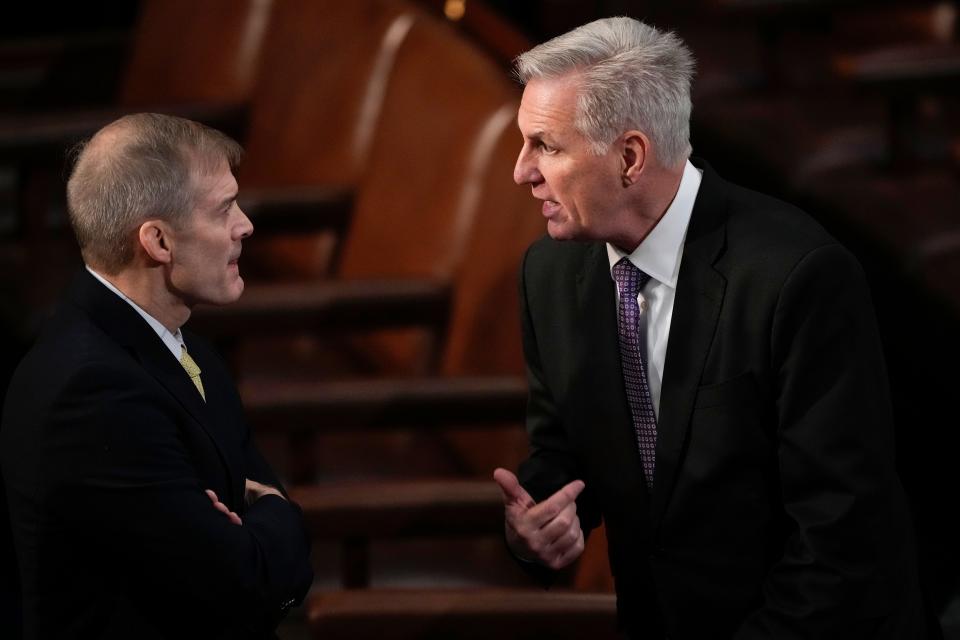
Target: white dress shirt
x=659 y=256
x=174 y=341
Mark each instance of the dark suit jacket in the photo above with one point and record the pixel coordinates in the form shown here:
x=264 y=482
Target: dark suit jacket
x=107 y=448
x=776 y=511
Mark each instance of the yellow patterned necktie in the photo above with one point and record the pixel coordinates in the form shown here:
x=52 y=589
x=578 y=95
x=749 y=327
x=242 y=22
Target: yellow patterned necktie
x=192 y=370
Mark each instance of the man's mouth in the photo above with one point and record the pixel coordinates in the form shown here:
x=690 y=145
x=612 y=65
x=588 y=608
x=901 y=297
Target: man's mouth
x=550 y=208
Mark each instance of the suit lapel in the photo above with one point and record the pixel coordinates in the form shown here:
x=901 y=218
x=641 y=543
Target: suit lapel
x=612 y=436
x=121 y=322
x=696 y=308
x=223 y=417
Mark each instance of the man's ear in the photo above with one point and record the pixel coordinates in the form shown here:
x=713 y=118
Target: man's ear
x=155 y=237
x=636 y=148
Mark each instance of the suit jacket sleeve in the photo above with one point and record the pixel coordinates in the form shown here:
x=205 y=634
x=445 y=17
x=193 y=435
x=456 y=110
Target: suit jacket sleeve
x=124 y=472
x=552 y=463
x=835 y=455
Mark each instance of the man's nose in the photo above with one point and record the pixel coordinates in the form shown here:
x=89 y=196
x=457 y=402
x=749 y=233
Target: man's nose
x=246 y=226
x=525 y=171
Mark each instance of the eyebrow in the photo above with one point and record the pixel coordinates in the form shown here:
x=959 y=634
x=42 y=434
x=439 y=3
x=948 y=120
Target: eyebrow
x=539 y=136
x=228 y=200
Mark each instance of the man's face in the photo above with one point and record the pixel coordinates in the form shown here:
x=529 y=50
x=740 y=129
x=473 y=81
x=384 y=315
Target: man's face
x=579 y=189
x=206 y=249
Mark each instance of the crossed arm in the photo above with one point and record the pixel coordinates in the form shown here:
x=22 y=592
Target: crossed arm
x=125 y=471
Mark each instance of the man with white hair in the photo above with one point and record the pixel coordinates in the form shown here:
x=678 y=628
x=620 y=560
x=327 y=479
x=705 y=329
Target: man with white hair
x=139 y=504
x=705 y=372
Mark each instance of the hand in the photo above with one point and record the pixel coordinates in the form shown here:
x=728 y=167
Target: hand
x=255 y=490
x=548 y=532
x=219 y=506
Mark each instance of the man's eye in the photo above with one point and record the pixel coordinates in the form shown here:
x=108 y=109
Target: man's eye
x=546 y=148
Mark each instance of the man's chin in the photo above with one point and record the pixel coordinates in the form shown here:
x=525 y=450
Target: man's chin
x=237 y=291
x=560 y=231
x=228 y=295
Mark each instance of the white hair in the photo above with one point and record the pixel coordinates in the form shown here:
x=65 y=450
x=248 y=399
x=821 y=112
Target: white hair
x=632 y=76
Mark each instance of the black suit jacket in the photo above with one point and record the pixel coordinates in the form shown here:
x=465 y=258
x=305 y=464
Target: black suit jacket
x=107 y=448
x=776 y=511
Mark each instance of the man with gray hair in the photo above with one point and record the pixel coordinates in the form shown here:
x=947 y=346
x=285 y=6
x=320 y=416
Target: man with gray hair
x=139 y=504
x=705 y=372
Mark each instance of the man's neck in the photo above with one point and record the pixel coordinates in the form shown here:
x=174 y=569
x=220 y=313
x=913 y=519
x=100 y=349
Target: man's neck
x=652 y=200
x=146 y=288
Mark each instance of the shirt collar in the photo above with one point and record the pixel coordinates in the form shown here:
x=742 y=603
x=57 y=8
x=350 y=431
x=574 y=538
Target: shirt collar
x=173 y=341
x=660 y=252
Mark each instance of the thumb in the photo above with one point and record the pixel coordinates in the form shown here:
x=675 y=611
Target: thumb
x=511 y=489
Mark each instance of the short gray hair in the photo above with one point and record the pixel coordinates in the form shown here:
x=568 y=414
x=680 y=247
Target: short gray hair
x=138 y=168
x=632 y=76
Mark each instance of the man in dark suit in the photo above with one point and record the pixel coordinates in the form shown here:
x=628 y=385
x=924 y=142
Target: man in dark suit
x=705 y=372
x=139 y=503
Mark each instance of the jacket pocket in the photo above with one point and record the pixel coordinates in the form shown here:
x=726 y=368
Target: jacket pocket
x=742 y=389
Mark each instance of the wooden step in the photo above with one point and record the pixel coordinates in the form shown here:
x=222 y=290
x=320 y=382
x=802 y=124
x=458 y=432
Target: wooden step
x=461 y=613
x=398 y=508
x=289 y=405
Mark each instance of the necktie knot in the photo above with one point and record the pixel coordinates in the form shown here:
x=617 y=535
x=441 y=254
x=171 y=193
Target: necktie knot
x=629 y=278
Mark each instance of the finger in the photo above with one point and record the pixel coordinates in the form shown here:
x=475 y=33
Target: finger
x=222 y=508
x=547 y=510
x=511 y=489
x=569 y=555
x=565 y=521
x=549 y=542
x=234 y=518
x=212 y=496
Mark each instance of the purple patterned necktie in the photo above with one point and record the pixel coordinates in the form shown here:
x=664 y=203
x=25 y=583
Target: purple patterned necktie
x=630 y=280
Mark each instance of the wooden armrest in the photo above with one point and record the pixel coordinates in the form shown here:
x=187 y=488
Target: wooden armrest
x=52 y=133
x=39 y=67
x=44 y=51
x=390 y=509
x=909 y=68
x=362 y=304
x=504 y=614
x=298 y=209
x=423 y=402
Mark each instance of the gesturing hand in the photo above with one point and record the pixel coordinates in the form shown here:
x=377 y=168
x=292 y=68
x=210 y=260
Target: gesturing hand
x=548 y=532
x=219 y=506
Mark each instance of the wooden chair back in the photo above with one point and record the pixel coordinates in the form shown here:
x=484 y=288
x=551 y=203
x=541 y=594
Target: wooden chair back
x=195 y=52
x=320 y=89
